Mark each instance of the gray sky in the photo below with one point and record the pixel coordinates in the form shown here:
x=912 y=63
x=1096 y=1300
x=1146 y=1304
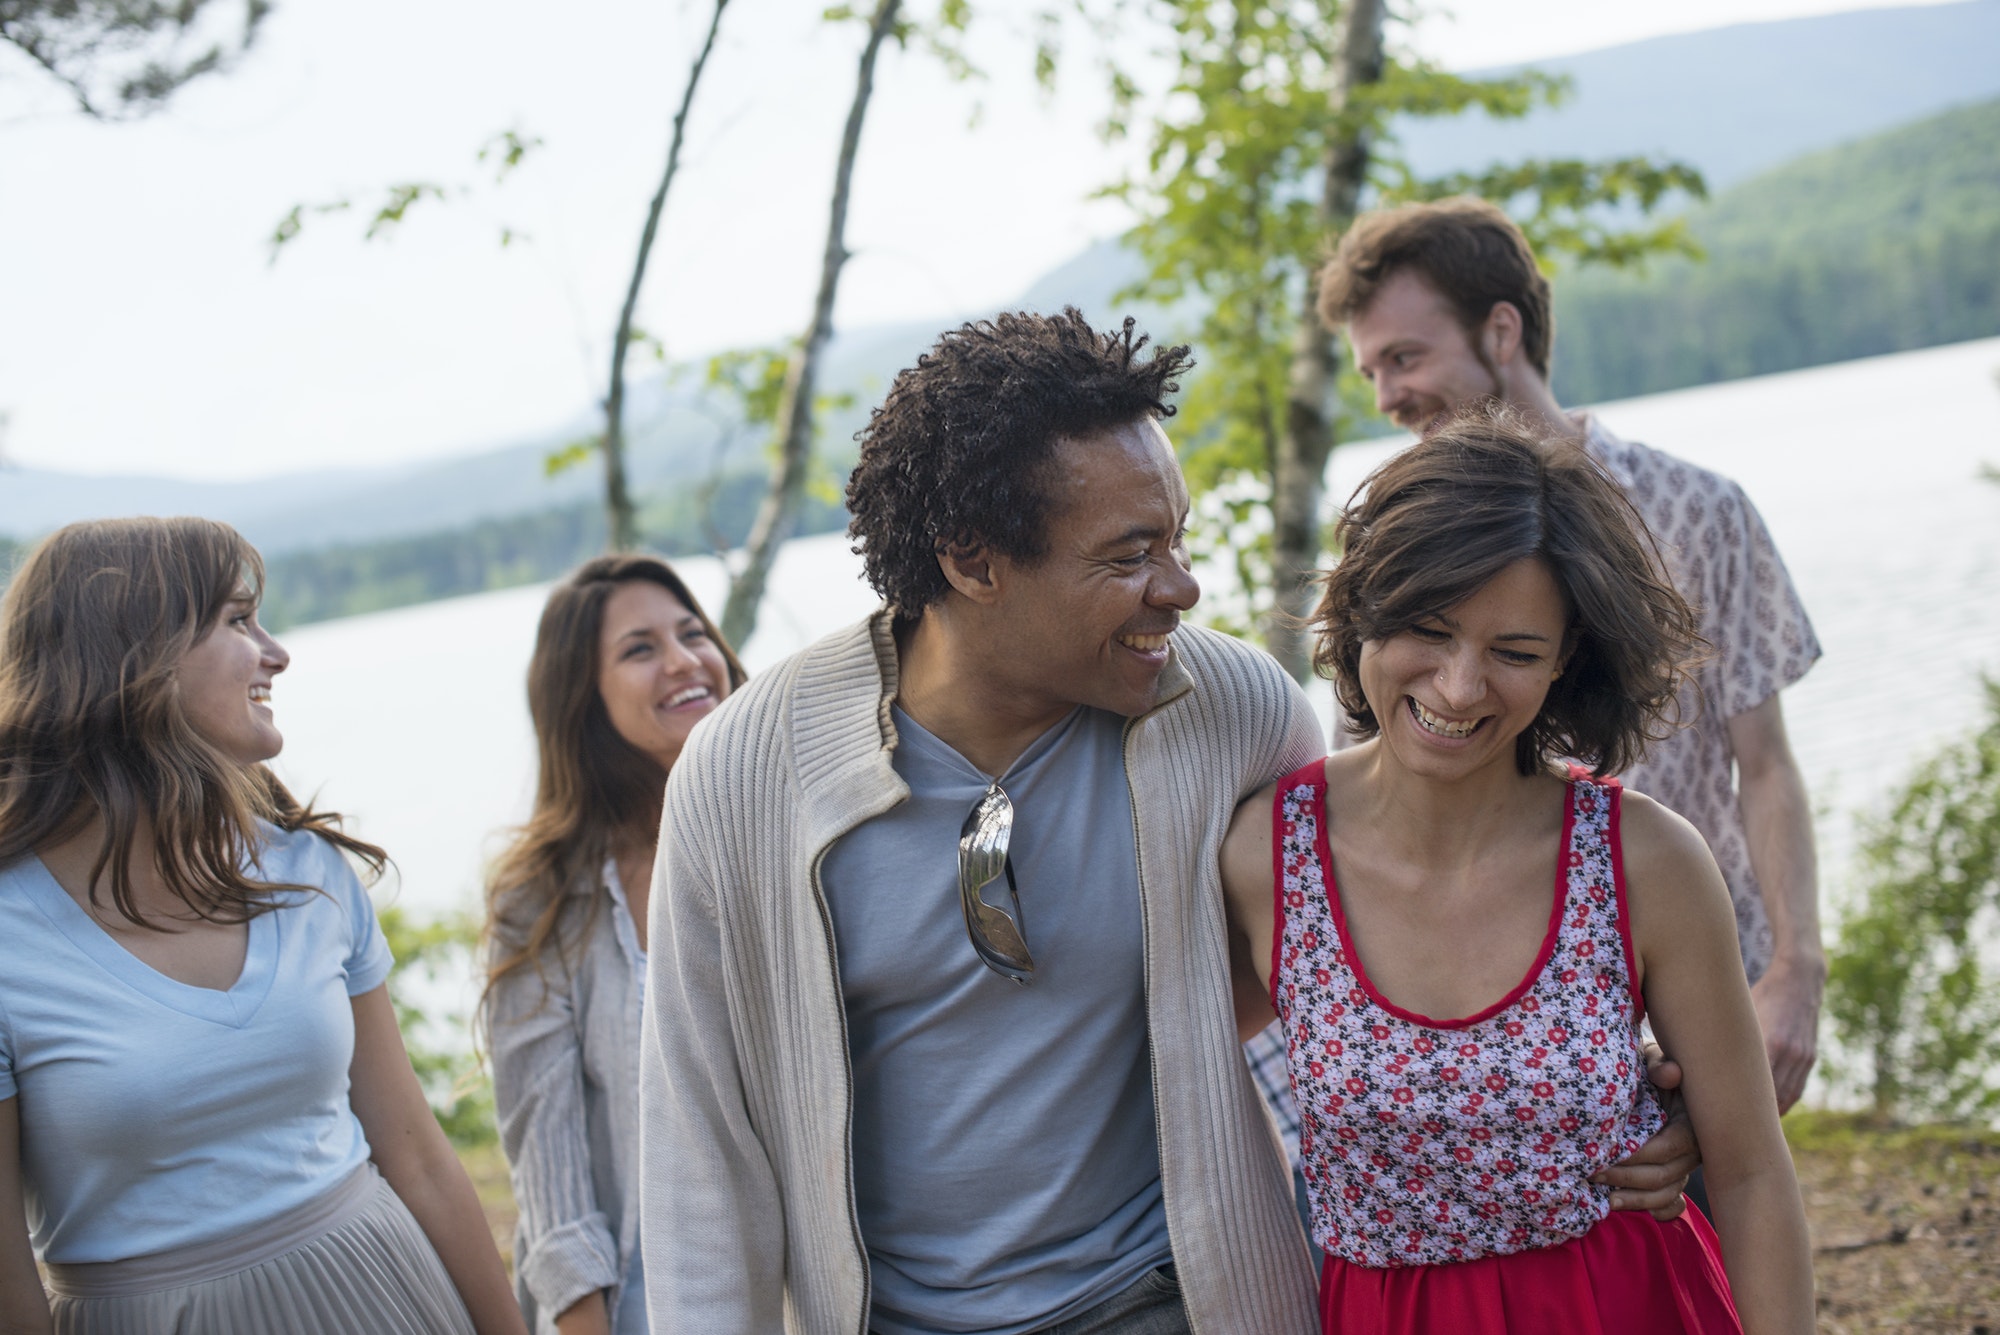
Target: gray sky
x=142 y=328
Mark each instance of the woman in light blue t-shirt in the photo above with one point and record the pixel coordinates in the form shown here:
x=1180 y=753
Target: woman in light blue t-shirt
x=625 y=664
x=207 y=1118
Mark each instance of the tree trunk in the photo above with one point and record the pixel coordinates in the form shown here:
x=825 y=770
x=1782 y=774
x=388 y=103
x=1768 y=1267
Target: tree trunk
x=1298 y=480
x=623 y=518
x=780 y=507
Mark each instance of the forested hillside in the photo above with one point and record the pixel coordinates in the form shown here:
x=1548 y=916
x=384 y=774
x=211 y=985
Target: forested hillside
x=1884 y=245
x=345 y=580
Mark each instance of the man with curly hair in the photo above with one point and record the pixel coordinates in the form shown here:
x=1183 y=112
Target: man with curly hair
x=940 y=1033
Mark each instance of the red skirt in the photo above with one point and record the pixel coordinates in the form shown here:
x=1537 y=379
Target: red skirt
x=1631 y=1275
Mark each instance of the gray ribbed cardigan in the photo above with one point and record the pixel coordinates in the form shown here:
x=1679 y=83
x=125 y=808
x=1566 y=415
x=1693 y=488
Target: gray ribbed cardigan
x=746 y=1187
x=564 y=1045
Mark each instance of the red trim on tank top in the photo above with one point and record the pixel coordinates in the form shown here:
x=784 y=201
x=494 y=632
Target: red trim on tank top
x=1615 y=793
x=1324 y=850
x=1304 y=774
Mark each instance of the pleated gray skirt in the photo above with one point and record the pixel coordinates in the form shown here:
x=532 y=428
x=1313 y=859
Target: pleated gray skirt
x=352 y=1262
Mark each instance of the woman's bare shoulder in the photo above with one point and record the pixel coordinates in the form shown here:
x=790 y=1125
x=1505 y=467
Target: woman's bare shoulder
x=1657 y=839
x=1671 y=880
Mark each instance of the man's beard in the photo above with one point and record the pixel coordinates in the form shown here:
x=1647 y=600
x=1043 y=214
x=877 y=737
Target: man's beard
x=1430 y=414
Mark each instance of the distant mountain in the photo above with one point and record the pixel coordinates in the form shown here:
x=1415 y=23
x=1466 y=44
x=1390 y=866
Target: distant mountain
x=1732 y=100
x=1737 y=100
x=33 y=499
x=1884 y=245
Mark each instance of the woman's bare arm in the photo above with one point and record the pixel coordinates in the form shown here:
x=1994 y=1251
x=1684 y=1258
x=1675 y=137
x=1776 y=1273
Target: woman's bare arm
x=586 y=1316
x=24 y=1309
x=1247 y=897
x=1691 y=973
x=413 y=1154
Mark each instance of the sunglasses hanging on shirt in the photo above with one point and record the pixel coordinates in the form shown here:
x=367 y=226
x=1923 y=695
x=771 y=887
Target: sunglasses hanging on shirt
x=982 y=859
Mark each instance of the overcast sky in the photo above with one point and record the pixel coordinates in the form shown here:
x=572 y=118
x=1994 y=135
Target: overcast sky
x=143 y=328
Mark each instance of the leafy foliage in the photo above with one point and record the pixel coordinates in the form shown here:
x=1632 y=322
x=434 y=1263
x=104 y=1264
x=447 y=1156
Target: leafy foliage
x=120 y=59
x=750 y=383
x=505 y=150
x=1916 y=1010
x=430 y=957
x=1232 y=214
x=751 y=378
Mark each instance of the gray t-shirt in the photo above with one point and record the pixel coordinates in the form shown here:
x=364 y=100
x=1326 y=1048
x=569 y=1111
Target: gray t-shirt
x=1006 y=1159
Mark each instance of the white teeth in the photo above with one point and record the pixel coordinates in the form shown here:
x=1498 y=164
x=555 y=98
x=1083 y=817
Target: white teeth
x=260 y=694
x=1145 y=644
x=1430 y=722
x=681 y=697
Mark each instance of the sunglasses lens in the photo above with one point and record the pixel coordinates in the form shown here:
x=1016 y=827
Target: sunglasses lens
x=982 y=858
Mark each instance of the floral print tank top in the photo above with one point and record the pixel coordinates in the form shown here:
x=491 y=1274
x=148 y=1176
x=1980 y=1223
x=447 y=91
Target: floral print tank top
x=1428 y=1141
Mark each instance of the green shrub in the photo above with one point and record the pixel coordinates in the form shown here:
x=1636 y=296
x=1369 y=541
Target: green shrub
x=1916 y=1011
x=431 y=956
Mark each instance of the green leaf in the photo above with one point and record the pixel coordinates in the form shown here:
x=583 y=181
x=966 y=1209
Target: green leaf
x=507 y=149
x=753 y=379
x=569 y=456
x=639 y=338
x=401 y=199
x=293 y=223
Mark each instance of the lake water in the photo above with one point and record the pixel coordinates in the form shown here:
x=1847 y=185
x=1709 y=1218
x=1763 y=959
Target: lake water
x=414 y=721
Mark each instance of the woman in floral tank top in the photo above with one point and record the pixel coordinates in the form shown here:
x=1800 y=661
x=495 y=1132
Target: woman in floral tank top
x=1460 y=940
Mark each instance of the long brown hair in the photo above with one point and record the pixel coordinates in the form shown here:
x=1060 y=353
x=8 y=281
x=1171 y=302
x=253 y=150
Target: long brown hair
x=1435 y=523
x=592 y=786
x=93 y=630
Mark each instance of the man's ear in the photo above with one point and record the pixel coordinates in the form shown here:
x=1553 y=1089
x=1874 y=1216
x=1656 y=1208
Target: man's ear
x=971 y=572
x=1501 y=335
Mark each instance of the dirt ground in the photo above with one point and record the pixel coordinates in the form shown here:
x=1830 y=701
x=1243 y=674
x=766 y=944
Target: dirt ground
x=1905 y=1223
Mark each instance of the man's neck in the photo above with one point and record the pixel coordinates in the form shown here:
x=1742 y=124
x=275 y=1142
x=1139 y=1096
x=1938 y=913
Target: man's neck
x=1529 y=394
x=946 y=681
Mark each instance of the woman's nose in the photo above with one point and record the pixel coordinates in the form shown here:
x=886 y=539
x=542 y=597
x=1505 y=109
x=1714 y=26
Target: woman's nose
x=1460 y=681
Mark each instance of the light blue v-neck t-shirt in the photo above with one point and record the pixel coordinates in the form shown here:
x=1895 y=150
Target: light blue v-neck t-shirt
x=157 y=1115
x=1006 y=1158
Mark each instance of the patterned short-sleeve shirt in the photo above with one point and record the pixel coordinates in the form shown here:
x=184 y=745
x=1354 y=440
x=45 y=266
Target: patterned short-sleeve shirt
x=1720 y=556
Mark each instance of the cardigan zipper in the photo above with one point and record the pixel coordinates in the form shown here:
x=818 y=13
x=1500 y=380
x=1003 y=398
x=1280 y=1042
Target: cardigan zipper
x=847 y=1091
x=1146 y=960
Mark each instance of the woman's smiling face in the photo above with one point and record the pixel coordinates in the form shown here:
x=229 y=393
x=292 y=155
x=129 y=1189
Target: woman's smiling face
x=225 y=684
x=658 y=671
x=1453 y=691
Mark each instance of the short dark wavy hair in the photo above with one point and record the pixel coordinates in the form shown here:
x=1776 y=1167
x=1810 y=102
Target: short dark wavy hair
x=1431 y=526
x=958 y=456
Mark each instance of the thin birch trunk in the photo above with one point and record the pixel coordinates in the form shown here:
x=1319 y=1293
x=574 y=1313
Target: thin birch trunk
x=620 y=513
x=780 y=508
x=1298 y=481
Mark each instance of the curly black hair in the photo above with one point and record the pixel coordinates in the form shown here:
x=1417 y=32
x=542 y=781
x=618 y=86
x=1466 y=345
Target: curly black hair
x=958 y=455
